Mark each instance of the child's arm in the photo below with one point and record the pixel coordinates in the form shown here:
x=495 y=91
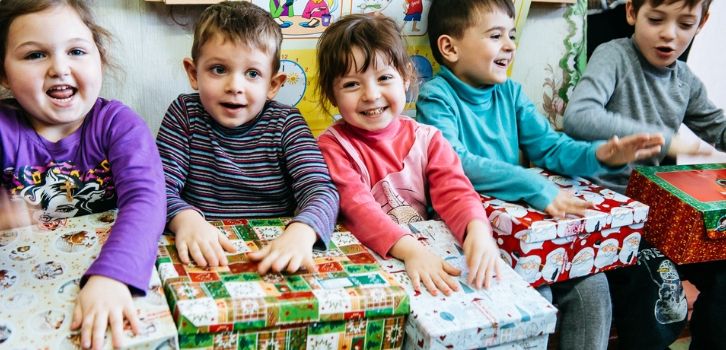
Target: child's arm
x=703 y=118
x=126 y=260
x=194 y=235
x=455 y=200
x=315 y=195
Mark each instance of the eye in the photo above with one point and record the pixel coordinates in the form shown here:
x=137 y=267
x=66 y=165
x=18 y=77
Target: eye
x=512 y=37
x=349 y=84
x=252 y=74
x=217 y=69
x=35 y=55
x=654 y=20
x=496 y=36
x=386 y=77
x=687 y=25
x=76 y=52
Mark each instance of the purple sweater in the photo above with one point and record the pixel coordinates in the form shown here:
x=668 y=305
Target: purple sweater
x=110 y=161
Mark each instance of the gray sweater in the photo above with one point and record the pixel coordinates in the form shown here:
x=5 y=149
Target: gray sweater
x=622 y=94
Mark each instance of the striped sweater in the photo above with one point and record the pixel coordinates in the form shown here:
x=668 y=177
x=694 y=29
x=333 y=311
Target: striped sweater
x=268 y=167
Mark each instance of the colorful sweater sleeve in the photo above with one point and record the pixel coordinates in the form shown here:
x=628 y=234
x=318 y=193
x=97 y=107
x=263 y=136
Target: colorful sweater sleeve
x=130 y=252
x=316 y=196
x=173 y=142
x=452 y=194
x=361 y=213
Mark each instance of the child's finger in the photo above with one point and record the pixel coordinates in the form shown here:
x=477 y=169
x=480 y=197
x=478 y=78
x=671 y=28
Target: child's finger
x=266 y=263
x=450 y=281
x=115 y=320
x=87 y=331
x=226 y=244
x=258 y=255
x=209 y=253
x=130 y=313
x=183 y=250
x=450 y=269
x=294 y=264
x=498 y=268
x=429 y=284
x=441 y=283
x=415 y=281
x=474 y=267
x=99 y=329
x=282 y=260
x=309 y=264
x=197 y=255
x=77 y=316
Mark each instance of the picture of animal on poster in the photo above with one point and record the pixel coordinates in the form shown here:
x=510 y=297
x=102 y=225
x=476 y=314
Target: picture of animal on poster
x=309 y=18
x=60 y=191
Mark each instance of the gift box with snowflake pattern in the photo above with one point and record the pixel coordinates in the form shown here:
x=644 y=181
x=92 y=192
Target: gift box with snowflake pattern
x=350 y=302
x=687 y=209
x=40 y=270
x=545 y=250
x=508 y=315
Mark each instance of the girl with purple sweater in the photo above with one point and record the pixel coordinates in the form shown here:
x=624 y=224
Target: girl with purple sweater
x=65 y=152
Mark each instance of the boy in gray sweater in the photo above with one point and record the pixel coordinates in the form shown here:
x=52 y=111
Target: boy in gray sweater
x=634 y=85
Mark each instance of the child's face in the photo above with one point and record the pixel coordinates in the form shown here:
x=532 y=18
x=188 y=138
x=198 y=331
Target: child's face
x=485 y=51
x=53 y=68
x=234 y=81
x=370 y=100
x=662 y=33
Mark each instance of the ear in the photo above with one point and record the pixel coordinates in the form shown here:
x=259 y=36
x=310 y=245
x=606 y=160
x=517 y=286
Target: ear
x=447 y=48
x=275 y=84
x=630 y=14
x=703 y=21
x=412 y=73
x=191 y=70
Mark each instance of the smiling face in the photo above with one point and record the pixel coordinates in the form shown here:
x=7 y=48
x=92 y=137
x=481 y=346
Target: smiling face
x=371 y=99
x=482 y=55
x=53 y=68
x=234 y=81
x=664 y=32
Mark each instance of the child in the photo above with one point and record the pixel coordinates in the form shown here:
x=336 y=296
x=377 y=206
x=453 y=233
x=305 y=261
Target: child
x=387 y=167
x=231 y=152
x=487 y=118
x=66 y=152
x=633 y=85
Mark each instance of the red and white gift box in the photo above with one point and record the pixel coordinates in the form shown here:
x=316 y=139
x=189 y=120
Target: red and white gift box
x=545 y=250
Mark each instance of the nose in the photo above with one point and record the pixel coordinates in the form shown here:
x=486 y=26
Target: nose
x=509 y=44
x=234 y=84
x=668 y=32
x=371 y=92
x=59 y=67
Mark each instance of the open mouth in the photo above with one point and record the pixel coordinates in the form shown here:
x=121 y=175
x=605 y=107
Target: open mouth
x=502 y=62
x=61 y=92
x=232 y=105
x=374 y=112
x=664 y=49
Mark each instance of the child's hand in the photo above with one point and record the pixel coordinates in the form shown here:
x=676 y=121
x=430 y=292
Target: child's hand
x=198 y=238
x=103 y=301
x=482 y=254
x=13 y=213
x=619 y=151
x=292 y=249
x=565 y=203
x=694 y=146
x=424 y=266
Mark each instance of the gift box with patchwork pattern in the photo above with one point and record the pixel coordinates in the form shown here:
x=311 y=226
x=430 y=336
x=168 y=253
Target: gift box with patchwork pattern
x=348 y=303
x=40 y=270
x=545 y=250
x=687 y=209
x=508 y=315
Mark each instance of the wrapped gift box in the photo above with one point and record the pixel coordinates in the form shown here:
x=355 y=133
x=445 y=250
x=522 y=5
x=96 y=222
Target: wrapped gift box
x=543 y=249
x=40 y=270
x=349 y=303
x=688 y=209
x=510 y=314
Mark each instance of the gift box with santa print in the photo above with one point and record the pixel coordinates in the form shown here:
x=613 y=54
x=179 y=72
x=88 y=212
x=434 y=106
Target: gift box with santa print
x=508 y=315
x=687 y=209
x=40 y=270
x=348 y=302
x=545 y=250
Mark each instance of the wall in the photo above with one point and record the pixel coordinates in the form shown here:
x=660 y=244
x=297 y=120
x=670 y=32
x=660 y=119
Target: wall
x=707 y=57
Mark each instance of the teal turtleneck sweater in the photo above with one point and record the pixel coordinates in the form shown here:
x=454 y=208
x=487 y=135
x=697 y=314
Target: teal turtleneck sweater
x=487 y=126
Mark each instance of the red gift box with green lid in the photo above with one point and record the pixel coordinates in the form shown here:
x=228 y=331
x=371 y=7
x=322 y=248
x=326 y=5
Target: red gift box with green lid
x=687 y=219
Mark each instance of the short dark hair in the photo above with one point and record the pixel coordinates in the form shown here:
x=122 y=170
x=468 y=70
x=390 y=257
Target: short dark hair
x=454 y=17
x=12 y=9
x=705 y=4
x=241 y=21
x=372 y=34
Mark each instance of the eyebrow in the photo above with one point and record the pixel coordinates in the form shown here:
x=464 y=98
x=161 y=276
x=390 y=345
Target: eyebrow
x=502 y=28
x=71 y=41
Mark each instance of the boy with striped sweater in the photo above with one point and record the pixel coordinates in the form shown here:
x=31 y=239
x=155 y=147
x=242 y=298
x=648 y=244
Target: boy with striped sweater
x=229 y=151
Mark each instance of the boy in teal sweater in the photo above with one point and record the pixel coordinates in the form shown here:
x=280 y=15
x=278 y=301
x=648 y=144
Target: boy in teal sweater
x=488 y=119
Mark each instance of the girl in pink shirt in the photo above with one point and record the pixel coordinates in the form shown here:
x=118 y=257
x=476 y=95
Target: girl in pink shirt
x=388 y=168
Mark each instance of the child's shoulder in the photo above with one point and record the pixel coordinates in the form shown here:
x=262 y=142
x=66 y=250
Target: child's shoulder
x=616 y=50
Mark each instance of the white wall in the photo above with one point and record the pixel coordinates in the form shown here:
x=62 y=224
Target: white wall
x=708 y=58
x=149 y=48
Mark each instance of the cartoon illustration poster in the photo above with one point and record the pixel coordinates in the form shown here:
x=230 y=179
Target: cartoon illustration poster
x=302 y=22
